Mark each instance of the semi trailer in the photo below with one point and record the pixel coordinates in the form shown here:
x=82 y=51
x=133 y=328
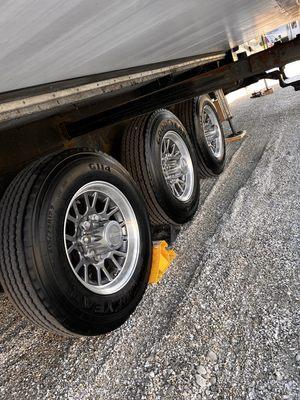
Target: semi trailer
x=110 y=113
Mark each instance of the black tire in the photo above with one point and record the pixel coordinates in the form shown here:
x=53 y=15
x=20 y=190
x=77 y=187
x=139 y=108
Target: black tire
x=190 y=113
x=141 y=156
x=34 y=269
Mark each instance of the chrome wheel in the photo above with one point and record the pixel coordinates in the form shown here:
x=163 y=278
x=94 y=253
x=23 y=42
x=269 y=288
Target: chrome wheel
x=212 y=132
x=177 y=166
x=101 y=237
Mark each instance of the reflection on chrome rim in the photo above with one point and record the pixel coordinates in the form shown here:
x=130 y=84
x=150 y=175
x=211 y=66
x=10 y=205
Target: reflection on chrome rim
x=212 y=132
x=177 y=166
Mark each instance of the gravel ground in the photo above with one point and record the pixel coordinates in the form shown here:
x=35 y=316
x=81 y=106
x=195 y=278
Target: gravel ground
x=223 y=322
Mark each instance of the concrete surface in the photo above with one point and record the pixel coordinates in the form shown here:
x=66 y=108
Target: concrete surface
x=224 y=322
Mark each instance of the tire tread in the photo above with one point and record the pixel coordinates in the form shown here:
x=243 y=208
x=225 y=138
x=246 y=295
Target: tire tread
x=134 y=160
x=15 y=273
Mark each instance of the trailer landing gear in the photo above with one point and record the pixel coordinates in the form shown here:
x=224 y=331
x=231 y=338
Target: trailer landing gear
x=234 y=136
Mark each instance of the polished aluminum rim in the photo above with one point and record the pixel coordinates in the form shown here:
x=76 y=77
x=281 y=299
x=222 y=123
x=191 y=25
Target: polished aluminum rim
x=101 y=237
x=177 y=166
x=212 y=132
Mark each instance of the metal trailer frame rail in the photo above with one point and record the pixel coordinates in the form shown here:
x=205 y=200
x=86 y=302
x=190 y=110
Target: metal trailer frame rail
x=36 y=102
x=174 y=89
x=84 y=104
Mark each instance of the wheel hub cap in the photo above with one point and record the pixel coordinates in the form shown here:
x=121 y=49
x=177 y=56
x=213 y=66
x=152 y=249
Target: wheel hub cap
x=100 y=239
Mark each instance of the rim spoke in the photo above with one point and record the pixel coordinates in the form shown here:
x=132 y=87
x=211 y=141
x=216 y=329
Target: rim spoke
x=211 y=135
x=87 y=201
x=206 y=118
x=172 y=188
x=181 y=184
x=212 y=131
x=112 y=212
x=73 y=247
x=78 y=266
x=119 y=267
x=107 y=274
x=106 y=205
x=182 y=179
x=70 y=238
x=173 y=149
x=72 y=219
x=95 y=197
x=176 y=191
x=86 y=274
x=179 y=188
x=75 y=208
x=119 y=253
x=99 y=280
x=167 y=143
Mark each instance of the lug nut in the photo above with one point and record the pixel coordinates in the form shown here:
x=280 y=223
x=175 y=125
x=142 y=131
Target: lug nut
x=85 y=239
x=86 y=225
x=95 y=217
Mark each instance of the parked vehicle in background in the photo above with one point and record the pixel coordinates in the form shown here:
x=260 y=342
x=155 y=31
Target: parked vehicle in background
x=283 y=33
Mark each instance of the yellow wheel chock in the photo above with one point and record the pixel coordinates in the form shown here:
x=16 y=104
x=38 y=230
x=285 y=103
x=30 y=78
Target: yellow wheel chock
x=161 y=260
x=235 y=138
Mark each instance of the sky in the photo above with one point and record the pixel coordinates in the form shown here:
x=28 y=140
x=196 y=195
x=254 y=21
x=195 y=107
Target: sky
x=292 y=69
